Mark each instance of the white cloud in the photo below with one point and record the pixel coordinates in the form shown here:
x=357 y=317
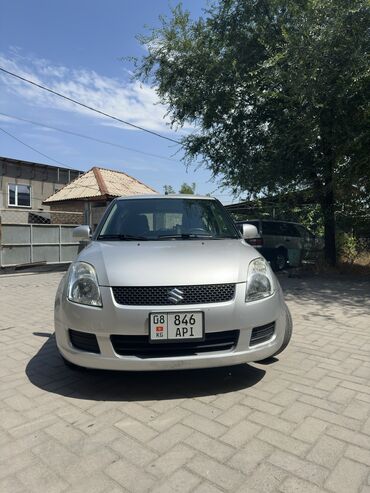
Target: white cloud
x=6 y=119
x=129 y=100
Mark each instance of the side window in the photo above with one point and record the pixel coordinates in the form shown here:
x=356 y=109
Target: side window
x=304 y=233
x=270 y=228
x=288 y=229
x=19 y=195
x=111 y=225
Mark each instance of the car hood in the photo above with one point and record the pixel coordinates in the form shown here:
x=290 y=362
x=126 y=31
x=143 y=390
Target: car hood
x=169 y=263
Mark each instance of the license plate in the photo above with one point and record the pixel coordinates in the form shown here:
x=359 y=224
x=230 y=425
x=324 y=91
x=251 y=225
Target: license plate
x=176 y=326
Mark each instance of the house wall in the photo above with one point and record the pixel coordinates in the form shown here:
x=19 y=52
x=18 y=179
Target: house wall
x=93 y=211
x=43 y=179
x=61 y=212
x=68 y=205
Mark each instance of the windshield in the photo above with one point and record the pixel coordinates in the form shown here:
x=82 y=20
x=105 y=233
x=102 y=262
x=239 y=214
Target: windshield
x=161 y=219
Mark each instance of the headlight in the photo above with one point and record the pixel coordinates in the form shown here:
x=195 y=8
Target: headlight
x=259 y=281
x=83 y=285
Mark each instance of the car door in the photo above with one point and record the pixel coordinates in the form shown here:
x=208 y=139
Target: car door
x=310 y=244
x=291 y=238
x=270 y=233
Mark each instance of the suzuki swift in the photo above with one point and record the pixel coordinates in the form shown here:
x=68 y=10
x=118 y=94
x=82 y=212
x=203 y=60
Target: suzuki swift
x=168 y=282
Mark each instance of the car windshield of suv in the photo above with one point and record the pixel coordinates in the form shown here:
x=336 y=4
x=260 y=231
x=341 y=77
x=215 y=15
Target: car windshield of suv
x=161 y=219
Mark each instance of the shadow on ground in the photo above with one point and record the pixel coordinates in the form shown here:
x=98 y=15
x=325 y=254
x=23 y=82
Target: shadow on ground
x=26 y=270
x=326 y=292
x=47 y=371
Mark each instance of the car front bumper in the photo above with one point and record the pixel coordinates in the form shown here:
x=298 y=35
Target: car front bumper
x=114 y=319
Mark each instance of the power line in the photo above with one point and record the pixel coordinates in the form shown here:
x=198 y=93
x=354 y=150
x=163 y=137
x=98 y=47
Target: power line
x=87 y=137
x=35 y=150
x=48 y=157
x=62 y=164
x=45 y=155
x=87 y=106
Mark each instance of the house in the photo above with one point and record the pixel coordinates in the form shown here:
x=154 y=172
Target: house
x=24 y=185
x=93 y=191
x=29 y=234
x=38 y=214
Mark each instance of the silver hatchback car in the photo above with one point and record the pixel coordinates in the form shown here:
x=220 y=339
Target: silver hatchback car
x=168 y=282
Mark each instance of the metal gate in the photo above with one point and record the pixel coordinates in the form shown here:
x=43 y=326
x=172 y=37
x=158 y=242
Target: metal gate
x=34 y=243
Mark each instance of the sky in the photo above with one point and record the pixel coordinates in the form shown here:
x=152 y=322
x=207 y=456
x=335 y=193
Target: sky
x=80 y=48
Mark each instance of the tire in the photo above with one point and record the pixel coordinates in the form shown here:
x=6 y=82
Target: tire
x=281 y=259
x=287 y=335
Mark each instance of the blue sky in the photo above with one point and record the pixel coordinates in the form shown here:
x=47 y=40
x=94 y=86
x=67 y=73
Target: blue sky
x=75 y=47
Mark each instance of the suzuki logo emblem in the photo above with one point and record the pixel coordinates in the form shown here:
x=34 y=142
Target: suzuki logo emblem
x=175 y=295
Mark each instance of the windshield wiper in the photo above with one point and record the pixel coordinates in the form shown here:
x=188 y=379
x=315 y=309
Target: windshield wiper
x=122 y=237
x=184 y=236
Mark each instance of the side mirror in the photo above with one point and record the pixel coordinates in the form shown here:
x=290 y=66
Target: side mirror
x=249 y=231
x=82 y=232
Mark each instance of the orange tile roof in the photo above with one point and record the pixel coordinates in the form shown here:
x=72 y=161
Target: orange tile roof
x=100 y=183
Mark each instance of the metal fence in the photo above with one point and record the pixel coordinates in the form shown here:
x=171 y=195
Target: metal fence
x=33 y=237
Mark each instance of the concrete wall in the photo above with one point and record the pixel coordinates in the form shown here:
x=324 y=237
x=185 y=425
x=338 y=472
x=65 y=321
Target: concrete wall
x=44 y=180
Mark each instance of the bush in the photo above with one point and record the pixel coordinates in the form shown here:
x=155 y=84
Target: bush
x=350 y=247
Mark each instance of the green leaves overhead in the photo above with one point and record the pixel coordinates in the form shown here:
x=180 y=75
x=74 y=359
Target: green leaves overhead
x=277 y=91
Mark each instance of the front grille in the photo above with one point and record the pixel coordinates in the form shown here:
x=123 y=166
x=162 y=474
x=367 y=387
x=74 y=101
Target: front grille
x=84 y=341
x=140 y=346
x=262 y=334
x=191 y=295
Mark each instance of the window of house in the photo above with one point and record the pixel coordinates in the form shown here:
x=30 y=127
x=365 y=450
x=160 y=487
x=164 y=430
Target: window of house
x=19 y=195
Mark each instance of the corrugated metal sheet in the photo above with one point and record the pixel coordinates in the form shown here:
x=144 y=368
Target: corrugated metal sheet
x=29 y=243
x=109 y=183
x=119 y=184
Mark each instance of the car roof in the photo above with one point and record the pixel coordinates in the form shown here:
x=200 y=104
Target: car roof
x=169 y=197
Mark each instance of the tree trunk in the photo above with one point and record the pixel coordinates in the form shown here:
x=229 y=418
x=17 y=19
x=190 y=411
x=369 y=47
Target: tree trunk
x=324 y=194
x=328 y=212
x=327 y=193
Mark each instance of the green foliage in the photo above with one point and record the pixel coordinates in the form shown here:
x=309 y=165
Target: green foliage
x=278 y=91
x=186 y=188
x=310 y=217
x=350 y=247
x=168 y=189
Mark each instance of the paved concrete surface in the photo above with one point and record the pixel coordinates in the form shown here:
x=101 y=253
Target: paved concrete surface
x=298 y=424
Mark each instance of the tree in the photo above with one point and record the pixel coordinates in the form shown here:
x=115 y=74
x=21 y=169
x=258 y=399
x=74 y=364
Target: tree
x=168 y=189
x=278 y=92
x=187 y=189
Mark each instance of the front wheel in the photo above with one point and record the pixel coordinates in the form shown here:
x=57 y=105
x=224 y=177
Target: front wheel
x=281 y=259
x=287 y=335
